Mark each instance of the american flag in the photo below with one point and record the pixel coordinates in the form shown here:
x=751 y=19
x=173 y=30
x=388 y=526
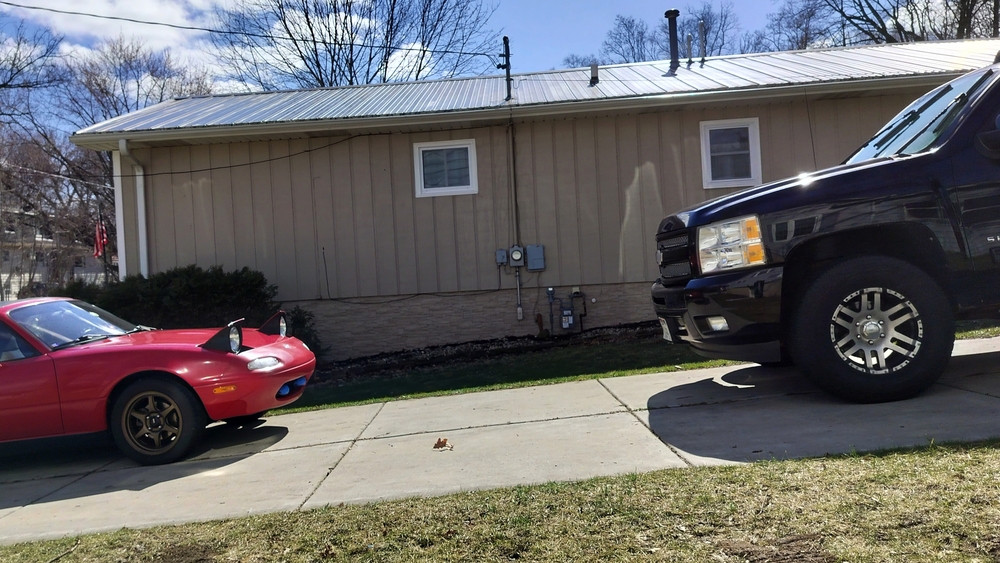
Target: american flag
x=100 y=239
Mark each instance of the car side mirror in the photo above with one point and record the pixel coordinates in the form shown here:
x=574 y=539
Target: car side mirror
x=988 y=144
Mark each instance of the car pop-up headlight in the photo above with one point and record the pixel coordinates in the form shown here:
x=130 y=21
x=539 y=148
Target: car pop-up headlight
x=730 y=245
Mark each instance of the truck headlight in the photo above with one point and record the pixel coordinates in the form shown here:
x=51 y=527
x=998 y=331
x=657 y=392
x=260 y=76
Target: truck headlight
x=729 y=245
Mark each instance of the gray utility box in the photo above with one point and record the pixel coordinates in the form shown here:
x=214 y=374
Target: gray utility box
x=535 y=253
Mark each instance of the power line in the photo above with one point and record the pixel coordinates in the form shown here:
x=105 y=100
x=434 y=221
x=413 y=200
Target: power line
x=54 y=175
x=240 y=33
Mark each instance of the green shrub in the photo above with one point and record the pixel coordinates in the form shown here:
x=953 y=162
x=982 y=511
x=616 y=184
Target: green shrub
x=192 y=297
x=304 y=328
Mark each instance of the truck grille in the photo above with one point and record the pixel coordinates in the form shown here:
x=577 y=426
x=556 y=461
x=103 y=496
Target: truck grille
x=673 y=257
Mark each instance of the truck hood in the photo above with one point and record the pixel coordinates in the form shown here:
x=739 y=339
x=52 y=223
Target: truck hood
x=826 y=185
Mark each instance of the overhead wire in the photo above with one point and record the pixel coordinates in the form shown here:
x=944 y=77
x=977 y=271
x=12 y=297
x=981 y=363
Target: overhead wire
x=240 y=33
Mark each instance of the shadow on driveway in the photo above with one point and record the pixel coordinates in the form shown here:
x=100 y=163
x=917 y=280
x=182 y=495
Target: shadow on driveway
x=756 y=413
x=70 y=458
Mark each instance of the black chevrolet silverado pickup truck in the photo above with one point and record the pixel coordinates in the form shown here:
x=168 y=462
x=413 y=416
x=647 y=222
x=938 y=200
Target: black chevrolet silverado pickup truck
x=857 y=273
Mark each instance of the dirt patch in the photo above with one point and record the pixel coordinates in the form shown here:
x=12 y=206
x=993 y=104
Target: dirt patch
x=396 y=363
x=791 y=549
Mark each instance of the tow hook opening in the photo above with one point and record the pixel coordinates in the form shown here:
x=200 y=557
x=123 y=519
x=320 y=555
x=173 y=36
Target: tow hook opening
x=291 y=388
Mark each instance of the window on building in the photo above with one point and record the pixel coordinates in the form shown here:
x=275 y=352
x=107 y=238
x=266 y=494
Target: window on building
x=78 y=262
x=445 y=168
x=730 y=153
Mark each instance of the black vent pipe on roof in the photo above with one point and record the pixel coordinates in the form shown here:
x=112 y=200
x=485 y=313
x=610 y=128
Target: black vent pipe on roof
x=672 y=16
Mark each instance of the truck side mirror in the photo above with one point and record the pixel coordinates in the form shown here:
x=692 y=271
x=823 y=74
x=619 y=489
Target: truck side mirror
x=988 y=144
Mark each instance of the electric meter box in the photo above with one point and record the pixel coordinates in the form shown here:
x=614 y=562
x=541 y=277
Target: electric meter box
x=535 y=254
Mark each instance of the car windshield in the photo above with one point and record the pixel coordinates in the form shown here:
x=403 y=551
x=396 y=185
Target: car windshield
x=62 y=323
x=917 y=127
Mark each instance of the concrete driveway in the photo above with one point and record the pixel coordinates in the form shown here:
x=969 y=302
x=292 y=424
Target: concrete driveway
x=69 y=486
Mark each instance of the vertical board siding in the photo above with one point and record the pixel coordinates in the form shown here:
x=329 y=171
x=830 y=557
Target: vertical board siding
x=384 y=215
x=567 y=248
x=160 y=213
x=630 y=175
x=425 y=228
x=588 y=219
x=403 y=227
x=220 y=189
x=305 y=233
x=608 y=199
x=364 y=216
x=484 y=211
x=263 y=210
x=346 y=259
x=544 y=192
x=592 y=190
x=281 y=212
x=202 y=207
x=243 y=205
x=184 y=225
x=323 y=219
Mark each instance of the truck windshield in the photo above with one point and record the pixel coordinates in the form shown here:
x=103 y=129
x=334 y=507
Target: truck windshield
x=918 y=126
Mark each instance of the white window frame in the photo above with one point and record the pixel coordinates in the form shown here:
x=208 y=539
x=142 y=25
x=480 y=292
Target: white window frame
x=418 y=168
x=753 y=125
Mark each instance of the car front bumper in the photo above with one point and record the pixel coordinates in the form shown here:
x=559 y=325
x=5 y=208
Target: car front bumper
x=748 y=301
x=250 y=392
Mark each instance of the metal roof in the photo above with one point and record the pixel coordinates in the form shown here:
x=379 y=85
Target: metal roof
x=481 y=97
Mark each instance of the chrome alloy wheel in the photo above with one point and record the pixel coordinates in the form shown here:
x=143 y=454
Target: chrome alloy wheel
x=152 y=422
x=876 y=330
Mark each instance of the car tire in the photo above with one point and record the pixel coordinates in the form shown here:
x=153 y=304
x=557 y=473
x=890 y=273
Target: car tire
x=156 y=421
x=873 y=329
x=245 y=420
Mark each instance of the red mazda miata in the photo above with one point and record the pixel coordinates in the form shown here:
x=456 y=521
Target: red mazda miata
x=68 y=367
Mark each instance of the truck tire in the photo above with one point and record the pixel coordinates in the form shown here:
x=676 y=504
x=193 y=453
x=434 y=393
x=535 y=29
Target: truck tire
x=872 y=329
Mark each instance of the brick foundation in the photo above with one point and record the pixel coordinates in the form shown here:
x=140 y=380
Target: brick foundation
x=366 y=326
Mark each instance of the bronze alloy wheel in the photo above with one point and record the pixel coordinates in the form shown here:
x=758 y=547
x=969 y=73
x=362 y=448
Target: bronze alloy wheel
x=156 y=420
x=152 y=423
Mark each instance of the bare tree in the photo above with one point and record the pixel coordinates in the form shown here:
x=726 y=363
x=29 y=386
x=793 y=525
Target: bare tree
x=630 y=40
x=276 y=44
x=797 y=25
x=27 y=60
x=116 y=77
x=721 y=29
x=576 y=61
x=894 y=21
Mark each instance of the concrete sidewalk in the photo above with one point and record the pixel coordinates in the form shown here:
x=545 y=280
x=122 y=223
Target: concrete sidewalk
x=69 y=486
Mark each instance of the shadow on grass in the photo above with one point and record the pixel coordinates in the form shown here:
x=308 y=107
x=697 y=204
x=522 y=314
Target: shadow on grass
x=585 y=360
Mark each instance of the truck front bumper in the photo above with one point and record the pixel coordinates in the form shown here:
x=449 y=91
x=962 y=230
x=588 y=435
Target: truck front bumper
x=734 y=316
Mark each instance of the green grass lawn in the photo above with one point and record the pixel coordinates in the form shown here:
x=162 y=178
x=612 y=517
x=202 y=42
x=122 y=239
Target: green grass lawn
x=928 y=505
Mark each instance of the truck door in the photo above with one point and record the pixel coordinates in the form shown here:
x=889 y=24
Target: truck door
x=975 y=201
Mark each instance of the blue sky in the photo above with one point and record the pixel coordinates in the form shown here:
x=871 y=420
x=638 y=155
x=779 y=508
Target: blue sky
x=542 y=32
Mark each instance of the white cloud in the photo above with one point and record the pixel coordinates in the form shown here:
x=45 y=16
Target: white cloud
x=82 y=32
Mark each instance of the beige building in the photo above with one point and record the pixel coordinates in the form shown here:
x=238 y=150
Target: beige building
x=381 y=208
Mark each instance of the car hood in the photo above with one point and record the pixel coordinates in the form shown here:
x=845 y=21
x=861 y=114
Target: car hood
x=183 y=338
x=827 y=185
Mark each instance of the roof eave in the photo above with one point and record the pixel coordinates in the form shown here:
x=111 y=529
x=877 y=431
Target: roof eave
x=109 y=140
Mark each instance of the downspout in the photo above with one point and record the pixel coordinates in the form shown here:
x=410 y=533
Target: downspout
x=140 y=204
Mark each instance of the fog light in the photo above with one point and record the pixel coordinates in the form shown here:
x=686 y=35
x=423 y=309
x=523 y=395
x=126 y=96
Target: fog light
x=717 y=324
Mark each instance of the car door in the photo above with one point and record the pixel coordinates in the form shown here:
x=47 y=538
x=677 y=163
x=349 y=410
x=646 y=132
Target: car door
x=29 y=394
